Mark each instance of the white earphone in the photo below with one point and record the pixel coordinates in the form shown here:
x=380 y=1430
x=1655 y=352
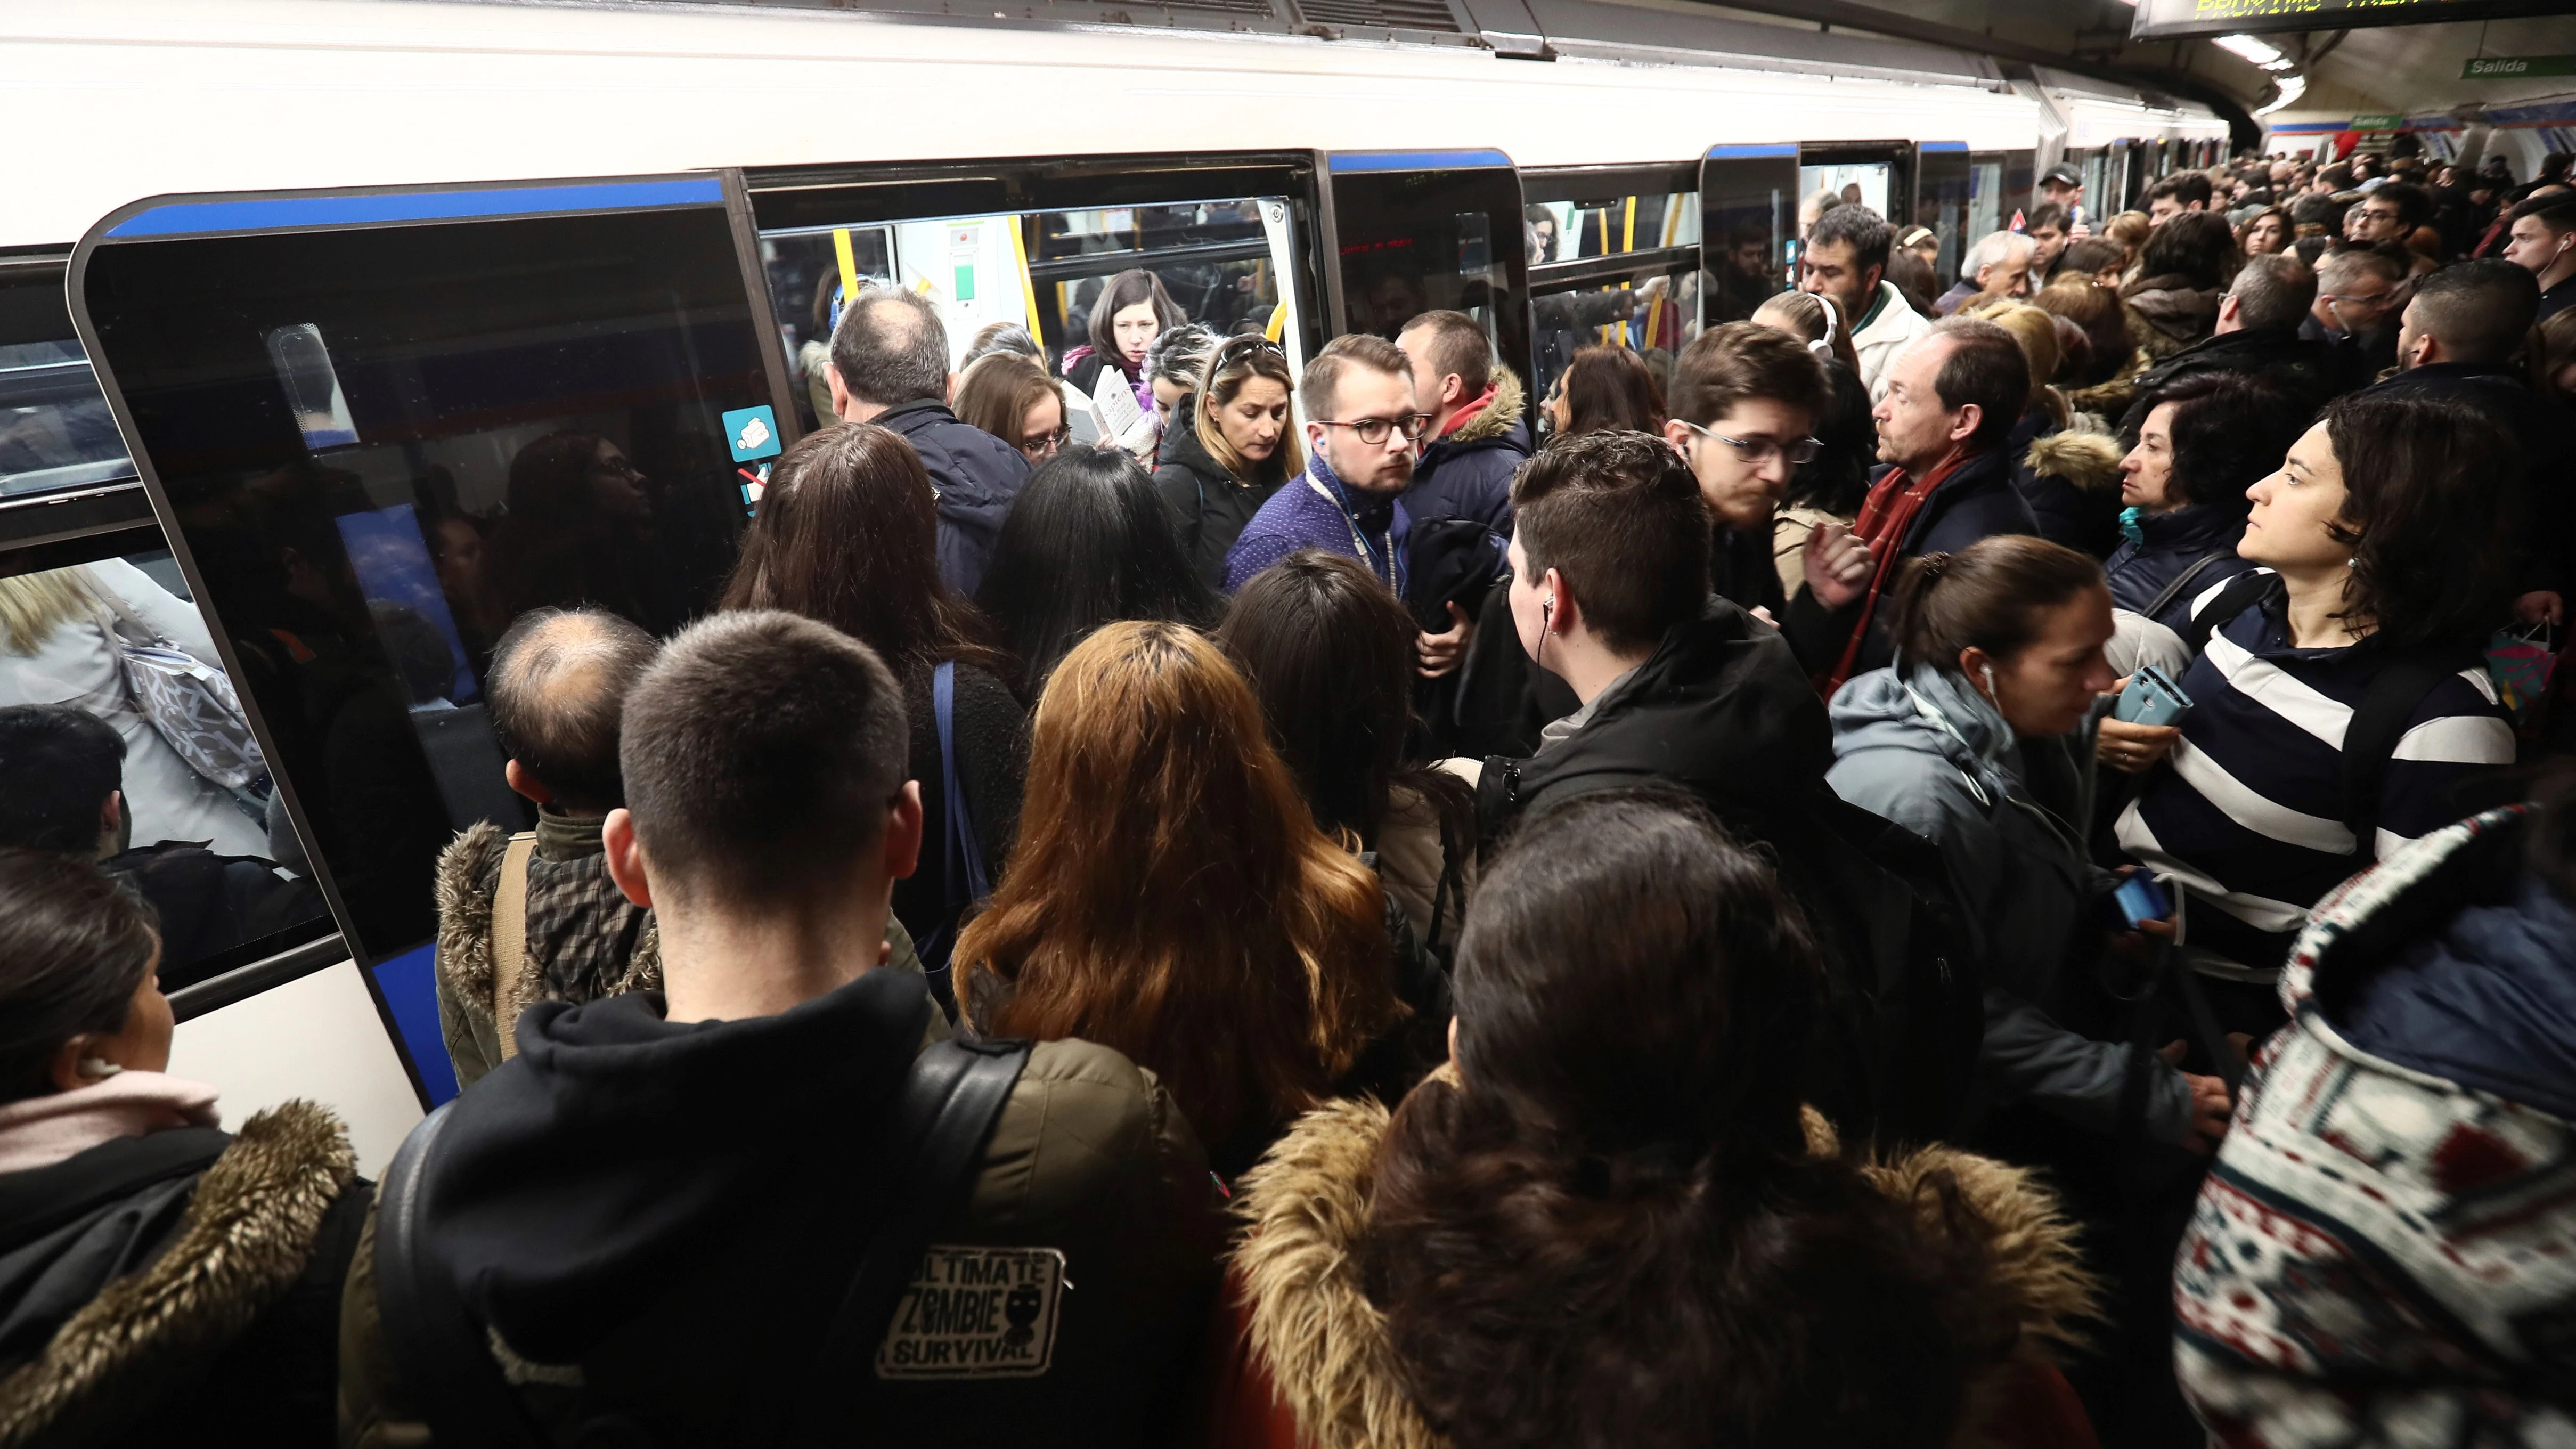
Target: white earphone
x=98 y=1068
x=1824 y=346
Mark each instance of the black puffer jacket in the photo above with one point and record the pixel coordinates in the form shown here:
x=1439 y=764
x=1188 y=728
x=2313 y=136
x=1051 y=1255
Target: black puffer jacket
x=1208 y=505
x=2304 y=368
x=977 y=476
x=182 y=1287
x=2169 y=545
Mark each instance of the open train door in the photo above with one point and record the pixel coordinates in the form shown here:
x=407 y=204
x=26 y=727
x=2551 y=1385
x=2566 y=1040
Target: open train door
x=376 y=425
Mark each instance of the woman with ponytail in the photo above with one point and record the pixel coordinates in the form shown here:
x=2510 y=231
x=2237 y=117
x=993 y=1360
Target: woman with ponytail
x=1971 y=740
x=1602 y=1225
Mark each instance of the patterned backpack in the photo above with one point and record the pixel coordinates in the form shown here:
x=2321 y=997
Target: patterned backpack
x=190 y=704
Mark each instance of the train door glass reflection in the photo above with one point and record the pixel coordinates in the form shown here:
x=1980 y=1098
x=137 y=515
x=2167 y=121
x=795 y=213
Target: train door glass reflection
x=384 y=444
x=1748 y=222
x=1419 y=241
x=1221 y=262
x=1863 y=183
x=55 y=428
x=121 y=736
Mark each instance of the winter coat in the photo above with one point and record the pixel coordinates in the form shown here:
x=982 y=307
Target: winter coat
x=1741 y=568
x=1305 y=1360
x=2303 y=368
x=1931 y=754
x=1977 y=501
x=976 y=475
x=2385 y=1251
x=1467 y=473
x=2071 y=480
x=617 y=1152
x=2358 y=358
x=1208 y=505
x=1724 y=710
x=2113 y=396
x=585 y=940
x=1890 y=332
x=181 y=1287
x=2168 y=545
x=2167 y=314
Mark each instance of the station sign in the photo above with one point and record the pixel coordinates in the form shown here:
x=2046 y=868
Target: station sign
x=2517 y=65
x=2174 y=19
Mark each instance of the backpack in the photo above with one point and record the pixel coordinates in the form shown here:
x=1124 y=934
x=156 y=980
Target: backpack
x=2378 y=722
x=952 y=1095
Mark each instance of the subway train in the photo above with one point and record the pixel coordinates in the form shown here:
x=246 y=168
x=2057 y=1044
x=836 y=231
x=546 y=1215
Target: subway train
x=314 y=312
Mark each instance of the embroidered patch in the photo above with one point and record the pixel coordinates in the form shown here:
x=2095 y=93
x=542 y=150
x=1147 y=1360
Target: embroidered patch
x=975 y=1313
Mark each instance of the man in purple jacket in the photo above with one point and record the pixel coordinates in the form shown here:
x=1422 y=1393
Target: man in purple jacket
x=1362 y=425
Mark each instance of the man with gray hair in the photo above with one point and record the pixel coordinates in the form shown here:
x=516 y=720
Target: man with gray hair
x=2258 y=332
x=1998 y=266
x=890 y=367
x=2360 y=291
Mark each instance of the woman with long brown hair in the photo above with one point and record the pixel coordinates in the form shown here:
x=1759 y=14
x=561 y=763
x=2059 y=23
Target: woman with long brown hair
x=1606 y=389
x=847 y=534
x=1231 y=444
x=1170 y=897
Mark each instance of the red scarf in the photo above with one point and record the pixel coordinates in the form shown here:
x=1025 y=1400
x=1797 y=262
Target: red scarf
x=1467 y=413
x=1886 y=515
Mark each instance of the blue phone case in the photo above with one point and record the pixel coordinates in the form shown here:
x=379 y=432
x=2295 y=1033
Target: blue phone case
x=2141 y=899
x=2150 y=699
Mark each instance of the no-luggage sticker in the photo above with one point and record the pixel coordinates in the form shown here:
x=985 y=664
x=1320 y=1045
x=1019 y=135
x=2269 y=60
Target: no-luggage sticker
x=975 y=1313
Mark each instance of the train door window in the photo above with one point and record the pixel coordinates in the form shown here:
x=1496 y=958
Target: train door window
x=1748 y=197
x=1615 y=263
x=1943 y=182
x=1433 y=231
x=1987 y=212
x=1220 y=262
x=121 y=737
x=2014 y=196
x=389 y=424
x=56 y=432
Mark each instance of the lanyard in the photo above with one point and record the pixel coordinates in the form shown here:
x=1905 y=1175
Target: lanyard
x=1359 y=540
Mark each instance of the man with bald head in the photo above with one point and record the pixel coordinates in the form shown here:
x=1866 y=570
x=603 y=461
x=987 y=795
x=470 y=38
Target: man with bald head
x=534 y=917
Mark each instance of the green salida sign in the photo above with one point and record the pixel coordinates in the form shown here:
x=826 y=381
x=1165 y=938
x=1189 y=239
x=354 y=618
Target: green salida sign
x=2517 y=66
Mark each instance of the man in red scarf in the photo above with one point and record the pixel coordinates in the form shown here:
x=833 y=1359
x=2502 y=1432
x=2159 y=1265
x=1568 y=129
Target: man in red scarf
x=1943 y=432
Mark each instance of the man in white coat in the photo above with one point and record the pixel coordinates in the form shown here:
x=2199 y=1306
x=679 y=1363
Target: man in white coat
x=1845 y=262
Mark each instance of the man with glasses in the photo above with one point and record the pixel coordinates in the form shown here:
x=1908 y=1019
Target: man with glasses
x=1362 y=432
x=2360 y=291
x=1743 y=402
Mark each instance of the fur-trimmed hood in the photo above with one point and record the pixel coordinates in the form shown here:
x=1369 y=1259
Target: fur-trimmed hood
x=468 y=878
x=1499 y=417
x=245 y=1238
x=1325 y=1346
x=2088 y=460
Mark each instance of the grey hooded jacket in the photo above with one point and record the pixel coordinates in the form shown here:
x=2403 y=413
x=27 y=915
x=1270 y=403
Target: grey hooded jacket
x=1931 y=754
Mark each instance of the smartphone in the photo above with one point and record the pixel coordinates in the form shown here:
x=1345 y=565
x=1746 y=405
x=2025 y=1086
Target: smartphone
x=2150 y=699
x=2141 y=899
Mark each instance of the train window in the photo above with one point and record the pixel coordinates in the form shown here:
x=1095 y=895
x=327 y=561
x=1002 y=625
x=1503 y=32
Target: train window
x=1567 y=231
x=121 y=734
x=1986 y=213
x=1221 y=262
x=383 y=443
x=1865 y=183
x=55 y=428
x=1420 y=240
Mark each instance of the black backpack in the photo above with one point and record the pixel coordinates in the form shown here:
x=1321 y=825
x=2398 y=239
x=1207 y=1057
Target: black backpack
x=951 y=1097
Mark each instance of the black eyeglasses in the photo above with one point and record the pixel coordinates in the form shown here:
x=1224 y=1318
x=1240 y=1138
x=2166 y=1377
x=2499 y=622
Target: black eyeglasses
x=1374 y=431
x=1037 y=444
x=1800 y=451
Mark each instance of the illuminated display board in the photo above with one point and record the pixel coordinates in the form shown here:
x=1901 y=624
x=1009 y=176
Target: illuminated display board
x=2164 y=19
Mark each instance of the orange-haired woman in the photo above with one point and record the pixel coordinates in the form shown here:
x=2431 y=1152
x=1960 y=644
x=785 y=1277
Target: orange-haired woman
x=1171 y=897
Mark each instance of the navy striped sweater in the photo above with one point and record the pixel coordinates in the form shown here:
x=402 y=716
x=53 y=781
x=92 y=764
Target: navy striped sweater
x=2249 y=819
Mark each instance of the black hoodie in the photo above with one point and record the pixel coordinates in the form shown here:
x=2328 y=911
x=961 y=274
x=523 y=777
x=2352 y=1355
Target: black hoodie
x=1723 y=709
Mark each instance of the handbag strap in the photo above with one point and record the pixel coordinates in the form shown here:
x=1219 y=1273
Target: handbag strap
x=965 y=851
x=2156 y=607
x=510 y=941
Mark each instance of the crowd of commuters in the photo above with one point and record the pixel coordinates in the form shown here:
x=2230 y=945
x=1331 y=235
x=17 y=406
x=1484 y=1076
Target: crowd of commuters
x=1941 y=870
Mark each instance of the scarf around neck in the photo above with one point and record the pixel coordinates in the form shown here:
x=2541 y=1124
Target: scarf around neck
x=41 y=1131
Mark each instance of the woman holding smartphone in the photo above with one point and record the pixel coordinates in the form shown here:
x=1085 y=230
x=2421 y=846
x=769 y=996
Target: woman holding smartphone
x=1971 y=740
